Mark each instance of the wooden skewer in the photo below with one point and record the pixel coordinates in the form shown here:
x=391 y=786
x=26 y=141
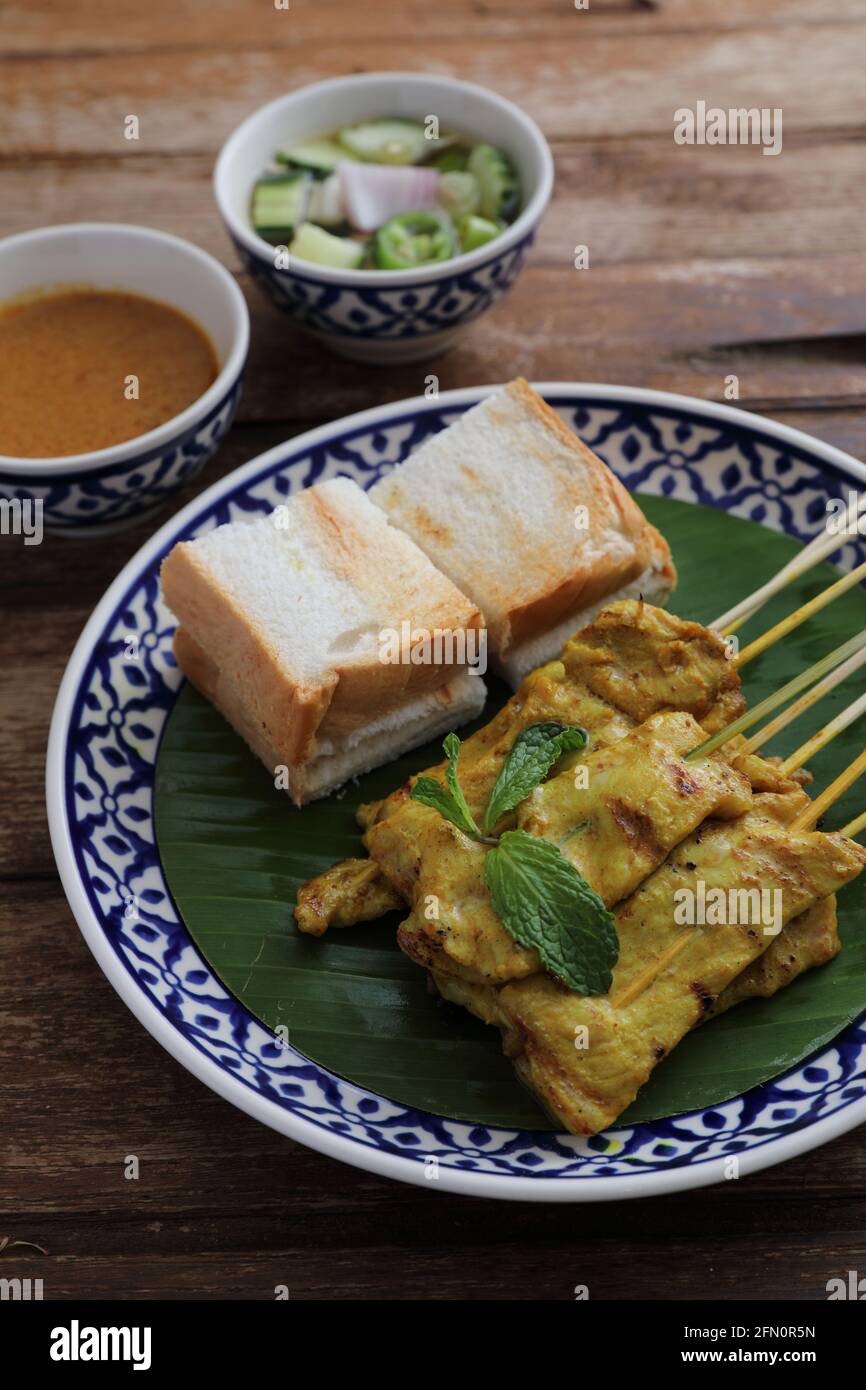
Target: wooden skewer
x=813 y=812
x=854 y=826
x=800 y=615
x=805 y=702
x=824 y=736
x=786 y=692
x=818 y=549
x=630 y=992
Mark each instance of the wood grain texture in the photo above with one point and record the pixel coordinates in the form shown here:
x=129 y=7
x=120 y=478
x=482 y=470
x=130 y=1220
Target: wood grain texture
x=76 y=103
x=54 y=26
x=703 y=263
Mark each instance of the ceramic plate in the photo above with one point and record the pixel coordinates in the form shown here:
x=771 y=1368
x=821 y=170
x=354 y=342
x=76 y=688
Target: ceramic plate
x=121 y=685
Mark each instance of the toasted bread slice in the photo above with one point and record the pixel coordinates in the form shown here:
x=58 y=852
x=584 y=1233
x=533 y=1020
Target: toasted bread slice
x=335 y=760
x=283 y=620
x=493 y=500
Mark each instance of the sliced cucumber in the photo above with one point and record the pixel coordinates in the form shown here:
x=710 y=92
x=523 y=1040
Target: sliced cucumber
x=459 y=194
x=312 y=243
x=388 y=141
x=500 y=191
x=451 y=161
x=279 y=205
x=321 y=157
x=326 y=202
x=477 y=231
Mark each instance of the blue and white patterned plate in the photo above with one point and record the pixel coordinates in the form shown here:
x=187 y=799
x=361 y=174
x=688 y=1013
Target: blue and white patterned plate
x=111 y=711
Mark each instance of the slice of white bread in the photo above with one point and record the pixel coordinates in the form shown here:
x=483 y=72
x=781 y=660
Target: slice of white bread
x=493 y=500
x=386 y=736
x=280 y=625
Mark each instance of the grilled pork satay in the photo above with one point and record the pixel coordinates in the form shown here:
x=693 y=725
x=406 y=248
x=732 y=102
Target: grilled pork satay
x=640 y=800
x=663 y=659
x=661 y=988
x=668 y=663
x=354 y=890
x=808 y=941
x=812 y=939
x=639 y=660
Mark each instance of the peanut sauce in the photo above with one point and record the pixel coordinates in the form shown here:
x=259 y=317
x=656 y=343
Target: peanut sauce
x=84 y=369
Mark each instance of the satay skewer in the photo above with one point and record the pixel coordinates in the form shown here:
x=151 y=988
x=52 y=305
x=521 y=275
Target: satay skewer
x=805 y=820
x=800 y=615
x=813 y=812
x=824 y=736
x=853 y=828
x=779 y=697
x=817 y=550
x=806 y=701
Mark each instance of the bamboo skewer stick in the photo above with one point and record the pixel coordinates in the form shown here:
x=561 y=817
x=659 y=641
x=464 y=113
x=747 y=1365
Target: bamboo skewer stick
x=805 y=702
x=630 y=992
x=813 y=812
x=854 y=826
x=800 y=615
x=824 y=736
x=817 y=550
x=778 y=698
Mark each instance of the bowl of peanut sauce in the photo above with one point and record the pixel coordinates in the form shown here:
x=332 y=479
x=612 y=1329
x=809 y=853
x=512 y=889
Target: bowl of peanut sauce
x=121 y=360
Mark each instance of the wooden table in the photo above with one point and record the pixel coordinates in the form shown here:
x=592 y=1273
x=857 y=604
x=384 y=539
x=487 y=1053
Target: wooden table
x=703 y=262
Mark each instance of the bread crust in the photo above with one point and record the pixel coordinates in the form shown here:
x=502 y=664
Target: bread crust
x=311 y=778
x=283 y=709
x=538 y=590
x=559 y=596
x=287 y=714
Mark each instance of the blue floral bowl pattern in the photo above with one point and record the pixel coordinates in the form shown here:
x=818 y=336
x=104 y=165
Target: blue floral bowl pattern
x=121 y=685
x=413 y=320
x=371 y=315
x=119 y=491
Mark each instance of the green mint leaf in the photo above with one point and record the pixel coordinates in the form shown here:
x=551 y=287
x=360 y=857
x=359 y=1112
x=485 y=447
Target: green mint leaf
x=543 y=902
x=535 y=750
x=452 y=753
x=448 y=801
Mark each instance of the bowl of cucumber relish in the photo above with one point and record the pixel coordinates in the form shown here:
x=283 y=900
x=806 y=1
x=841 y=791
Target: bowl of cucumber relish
x=385 y=212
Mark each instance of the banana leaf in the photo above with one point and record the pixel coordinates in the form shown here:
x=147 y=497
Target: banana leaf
x=235 y=851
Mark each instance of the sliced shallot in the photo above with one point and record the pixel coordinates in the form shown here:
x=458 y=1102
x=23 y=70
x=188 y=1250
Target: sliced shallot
x=374 y=193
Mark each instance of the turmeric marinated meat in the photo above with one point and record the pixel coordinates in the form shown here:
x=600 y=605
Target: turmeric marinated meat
x=663 y=995
x=644 y=821
x=672 y=664
x=354 y=890
x=640 y=800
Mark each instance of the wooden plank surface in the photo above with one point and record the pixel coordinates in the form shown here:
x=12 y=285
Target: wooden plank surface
x=75 y=103
x=55 y=26
x=703 y=263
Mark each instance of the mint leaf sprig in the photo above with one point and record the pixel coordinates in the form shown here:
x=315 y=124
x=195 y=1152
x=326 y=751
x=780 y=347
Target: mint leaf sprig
x=545 y=902
x=449 y=801
x=535 y=750
x=542 y=900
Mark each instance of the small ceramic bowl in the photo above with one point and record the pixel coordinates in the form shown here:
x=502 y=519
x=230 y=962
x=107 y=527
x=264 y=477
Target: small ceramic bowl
x=100 y=490
x=374 y=315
